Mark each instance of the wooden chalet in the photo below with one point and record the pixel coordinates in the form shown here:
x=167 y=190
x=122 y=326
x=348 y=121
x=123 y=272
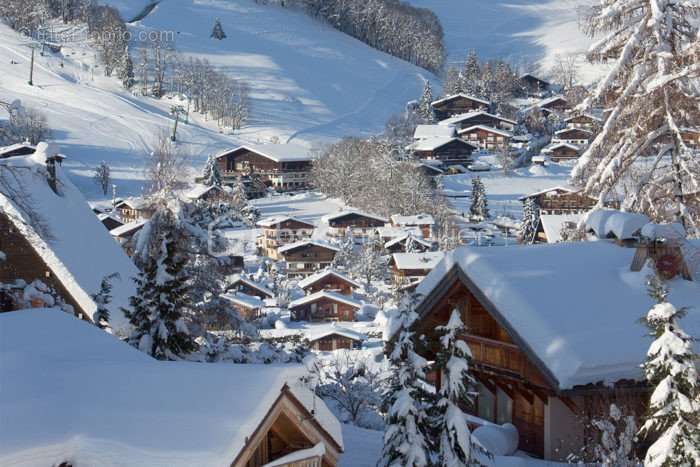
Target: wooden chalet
x=479 y=117
x=133 y=209
x=434 y=131
x=278 y=231
x=576 y=136
x=446 y=150
x=557 y=104
x=457 y=104
x=548 y=355
x=486 y=137
x=247 y=306
x=124 y=234
x=431 y=171
x=242 y=284
x=19 y=149
x=361 y=224
x=584 y=121
x=533 y=86
x=335 y=338
x=329 y=280
x=307 y=257
x=562 y=151
x=324 y=306
x=407 y=243
x=251 y=415
x=206 y=193
x=283 y=167
x=408 y=267
x=423 y=222
x=109 y=221
x=561 y=200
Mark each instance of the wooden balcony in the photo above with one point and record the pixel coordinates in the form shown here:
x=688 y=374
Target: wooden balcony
x=496 y=354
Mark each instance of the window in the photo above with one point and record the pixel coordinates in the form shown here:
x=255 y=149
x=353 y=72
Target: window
x=504 y=407
x=486 y=404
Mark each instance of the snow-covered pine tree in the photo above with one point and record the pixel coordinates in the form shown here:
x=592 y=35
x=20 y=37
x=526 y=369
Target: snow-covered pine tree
x=652 y=92
x=408 y=430
x=451 y=85
x=674 y=407
x=210 y=174
x=530 y=222
x=455 y=447
x=125 y=69
x=425 y=110
x=103 y=298
x=470 y=74
x=162 y=296
x=479 y=209
x=218 y=31
x=370 y=263
x=239 y=198
x=345 y=257
x=617 y=436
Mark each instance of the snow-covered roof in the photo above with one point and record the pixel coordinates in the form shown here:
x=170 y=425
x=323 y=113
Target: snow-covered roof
x=456 y=119
x=393 y=232
x=400 y=239
x=70 y=239
x=561 y=144
x=326 y=331
x=303 y=454
x=73 y=392
x=565 y=189
x=458 y=95
x=312 y=279
x=133 y=203
x=302 y=243
x=416 y=219
x=572 y=307
x=530 y=75
x=549 y=100
x=539 y=158
x=247 y=301
x=568 y=130
x=489 y=129
x=431 y=144
x=348 y=212
x=127 y=229
x=426 y=260
x=200 y=190
x=274 y=220
x=14 y=147
x=275 y=152
x=553 y=223
x=621 y=225
x=434 y=131
x=325 y=294
x=108 y=215
x=587 y=115
x=254 y=285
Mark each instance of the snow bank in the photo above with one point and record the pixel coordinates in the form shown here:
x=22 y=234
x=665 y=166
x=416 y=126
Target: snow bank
x=498 y=440
x=622 y=225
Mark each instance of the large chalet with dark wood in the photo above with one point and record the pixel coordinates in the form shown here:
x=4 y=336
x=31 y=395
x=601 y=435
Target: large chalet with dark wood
x=283 y=167
x=479 y=117
x=576 y=136
x=329 y=280
x=307 y=257
x=549 y=355
x=361 y=224
x=557 y=104
x=335 y=338
x=561 y=200
x=247 y=306
x=533 y=86
x=457 y=104
x=407 y=243
x=446 y=150
x=562 y=151
x=278 y=231
x=247 y=286
x=324 y=306
x=584 y=121
x=486 y=137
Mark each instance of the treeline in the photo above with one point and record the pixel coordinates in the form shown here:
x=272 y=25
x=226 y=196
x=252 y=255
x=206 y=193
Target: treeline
x=404 y=31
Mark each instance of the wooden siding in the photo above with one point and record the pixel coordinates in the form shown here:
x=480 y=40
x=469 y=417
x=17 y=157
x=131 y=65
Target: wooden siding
x=454 y=152
x=456 y=106
x=331 y=283
x=283 y=175
x=324 y=309
x=334 y=342
x=564 y=203
x=563 y=153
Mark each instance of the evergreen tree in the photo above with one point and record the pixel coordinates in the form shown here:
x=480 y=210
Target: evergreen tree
x=425 y=110
x=125 y=69
x=211 y=175
x=653 y=50
x=370 y=263
x=674 y=407
x=471 y=74
x=407 y=433
x=530 y=222
x=162 y=297
x=617 y=435
x=239 y=198
x=479 y=210
x=452 y=83
x=455 y=447
x=218 y=31
x=103 y=298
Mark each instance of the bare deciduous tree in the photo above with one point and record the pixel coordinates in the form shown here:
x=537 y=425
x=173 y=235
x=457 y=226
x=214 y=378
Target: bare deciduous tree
x=164 y=166
x=102 y=177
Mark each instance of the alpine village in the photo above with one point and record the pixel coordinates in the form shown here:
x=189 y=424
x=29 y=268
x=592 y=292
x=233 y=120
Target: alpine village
x=357 y=233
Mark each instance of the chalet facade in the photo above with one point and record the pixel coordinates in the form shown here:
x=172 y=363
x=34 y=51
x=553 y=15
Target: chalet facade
x=533 y=86
x=329 y=280
x=335 y=338
x=561 y=200
x=407 y=243
x=134 y=209
x=307 y=257
x=206 y=193
x=409 y=267
x=557 y=104
x=361 y=224
x=576 y=136
x=248 y=307
x=486 y=137
x=324 y=306
x=479 y=117
x=446 y=150
x=244 y=285
x=457 y=104
x=422 y=222
x=124 y=234
x=562 y=151
x=691 y=137
x=283 y=167
x=584 y=122
x=512 y=324
x=278 y=231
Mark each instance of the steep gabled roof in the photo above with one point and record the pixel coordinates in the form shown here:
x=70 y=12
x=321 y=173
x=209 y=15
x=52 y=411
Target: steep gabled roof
x=431 y=144
x=314 y=278
x=490 y=129
x=274 y=220
x=303 y=243
x=326 y=331
x=457 y=96
x=469 y=115
x=565 y=189
x=253 y=285
x=321 y=294
x=349 y=212
x=562 y=144
x=274 y=152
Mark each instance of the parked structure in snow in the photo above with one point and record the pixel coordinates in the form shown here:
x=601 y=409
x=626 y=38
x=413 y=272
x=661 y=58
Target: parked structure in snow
x=361 y=224
x=280 y=166
x=18 y=149
x=329 y=280
x=457 y=104
x=307 y=257
x=548 y=356
x=278 y=231
x=109 y=221
x=324 y=306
